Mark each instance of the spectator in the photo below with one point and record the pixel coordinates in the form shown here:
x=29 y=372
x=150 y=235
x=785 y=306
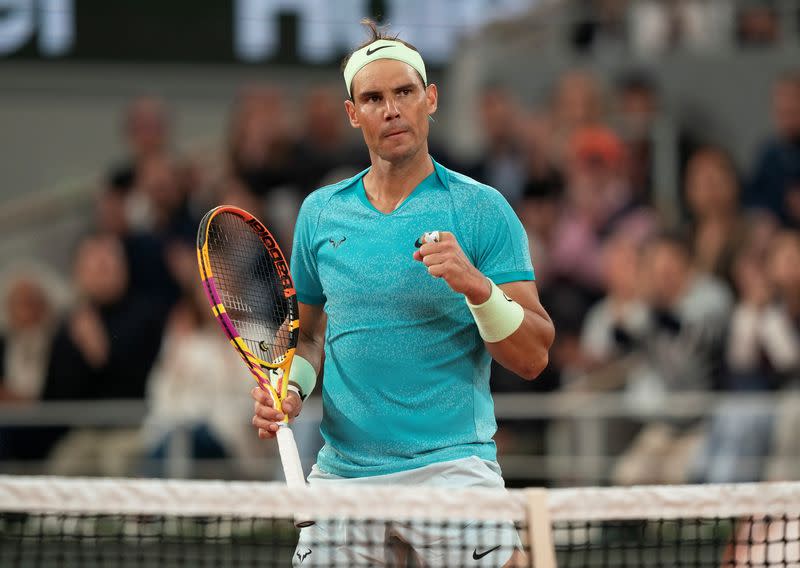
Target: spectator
x=86 y=363
x=598 y=201
x=616 y=324
x=25 y=344
x=263 y=156
x=763 y=353
x=103 y=350
x=784 y=269
x=640 y=113
x=501 y=164
x=712 y=196
x=151 y=220
x=681 y=350
x=577 y=102
x=146 y=132
x=542 y=177
x=31 y=308
x=261 y=144
x=542 y=193
x=638 y=108
x=775 y=181
x=198 y=387
x=325 y=144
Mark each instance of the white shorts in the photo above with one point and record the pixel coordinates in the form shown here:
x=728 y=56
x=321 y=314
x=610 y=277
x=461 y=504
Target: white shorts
x=476 y=543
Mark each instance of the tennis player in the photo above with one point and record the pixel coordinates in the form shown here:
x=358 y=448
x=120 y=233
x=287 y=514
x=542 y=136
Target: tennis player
x=407 y=334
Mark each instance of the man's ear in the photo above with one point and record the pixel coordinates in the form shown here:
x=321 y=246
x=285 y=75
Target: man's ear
x=432 y=98
x=350 y=108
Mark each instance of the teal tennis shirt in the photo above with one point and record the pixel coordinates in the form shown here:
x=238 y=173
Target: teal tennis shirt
x=406 y=380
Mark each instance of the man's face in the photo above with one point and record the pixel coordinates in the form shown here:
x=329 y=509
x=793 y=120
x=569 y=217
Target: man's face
x=391 y=107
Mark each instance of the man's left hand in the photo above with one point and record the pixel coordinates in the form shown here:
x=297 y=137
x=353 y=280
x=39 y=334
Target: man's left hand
x=445 y=259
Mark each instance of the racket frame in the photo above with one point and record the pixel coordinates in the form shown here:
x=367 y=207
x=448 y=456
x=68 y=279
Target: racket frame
x=258 y=367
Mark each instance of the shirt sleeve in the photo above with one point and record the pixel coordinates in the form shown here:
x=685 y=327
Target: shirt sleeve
x=304 y=259
x=502 y=251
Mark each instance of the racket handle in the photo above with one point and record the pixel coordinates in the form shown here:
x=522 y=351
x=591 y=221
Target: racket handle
x=290 y=457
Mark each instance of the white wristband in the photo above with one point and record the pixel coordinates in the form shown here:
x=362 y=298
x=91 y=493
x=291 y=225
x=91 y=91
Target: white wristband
x=498 y=317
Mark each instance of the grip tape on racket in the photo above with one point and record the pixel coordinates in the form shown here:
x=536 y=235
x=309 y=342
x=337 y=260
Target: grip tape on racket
x=290 y=457
x=292 y=468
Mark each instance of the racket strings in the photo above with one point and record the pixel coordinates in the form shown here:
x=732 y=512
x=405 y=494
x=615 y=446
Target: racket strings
x=250 y=287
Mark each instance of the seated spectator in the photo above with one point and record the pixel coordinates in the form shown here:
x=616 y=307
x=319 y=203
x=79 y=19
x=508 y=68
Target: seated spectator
x=784 y=270
x=150 y=220
x=31 y=308
x=712 y=196
x=104 y=349
x=25 y=342
x=775 y=181
x=614 y=326
x=198 y=388
x=640 y=112
x=598 y=201
x=762 y=354
x=146 y=134
x=263 y=155
x=681 y=350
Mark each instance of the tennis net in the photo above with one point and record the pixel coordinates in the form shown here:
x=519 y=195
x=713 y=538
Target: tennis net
x=46 y=521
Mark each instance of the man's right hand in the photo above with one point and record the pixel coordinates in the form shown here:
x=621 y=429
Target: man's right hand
x=266 y=417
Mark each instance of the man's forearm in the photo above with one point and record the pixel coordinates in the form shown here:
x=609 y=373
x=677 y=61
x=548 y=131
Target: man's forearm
x=525 y=352
x=311 y=349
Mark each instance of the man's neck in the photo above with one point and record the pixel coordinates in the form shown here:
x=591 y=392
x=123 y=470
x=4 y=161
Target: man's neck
x=388 y=184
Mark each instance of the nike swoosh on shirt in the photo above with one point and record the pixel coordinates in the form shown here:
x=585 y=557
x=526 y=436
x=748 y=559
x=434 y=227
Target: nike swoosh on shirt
x=478 y=555
x=371 y=51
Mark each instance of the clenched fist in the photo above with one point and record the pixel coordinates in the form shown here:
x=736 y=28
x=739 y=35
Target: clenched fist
x=445 y=259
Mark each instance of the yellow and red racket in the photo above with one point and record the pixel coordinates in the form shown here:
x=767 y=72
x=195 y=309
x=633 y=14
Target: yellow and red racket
x=248 y=284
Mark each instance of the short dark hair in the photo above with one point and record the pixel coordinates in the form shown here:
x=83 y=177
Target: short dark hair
x=375 y=34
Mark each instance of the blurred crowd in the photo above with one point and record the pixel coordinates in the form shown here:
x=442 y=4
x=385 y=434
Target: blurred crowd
x=648 y=297
x=648 y=28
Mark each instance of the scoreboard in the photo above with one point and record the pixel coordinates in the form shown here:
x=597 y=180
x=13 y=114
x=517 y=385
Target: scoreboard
x=229 y=31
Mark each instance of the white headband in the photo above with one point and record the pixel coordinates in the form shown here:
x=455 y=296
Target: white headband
x=382 y=49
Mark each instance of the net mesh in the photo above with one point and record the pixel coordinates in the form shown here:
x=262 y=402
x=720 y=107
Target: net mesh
x=249 y=286
x=75 y=522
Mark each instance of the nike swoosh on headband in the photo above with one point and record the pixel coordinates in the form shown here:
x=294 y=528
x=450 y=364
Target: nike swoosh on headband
x=371 y=51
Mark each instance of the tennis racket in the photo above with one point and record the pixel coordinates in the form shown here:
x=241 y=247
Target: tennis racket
x=250 y=289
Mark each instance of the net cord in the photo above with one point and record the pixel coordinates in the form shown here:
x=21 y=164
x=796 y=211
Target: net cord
x=267 y=500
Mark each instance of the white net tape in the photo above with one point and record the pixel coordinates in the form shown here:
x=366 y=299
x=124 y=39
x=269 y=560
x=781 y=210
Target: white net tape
x=270 y=500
